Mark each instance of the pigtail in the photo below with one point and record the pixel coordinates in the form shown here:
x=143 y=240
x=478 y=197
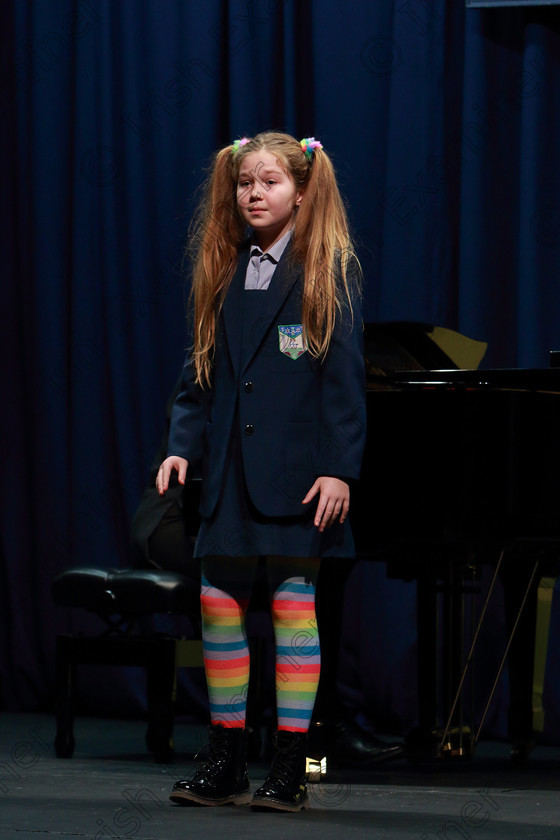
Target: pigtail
x=215 y=235
x=322 y=244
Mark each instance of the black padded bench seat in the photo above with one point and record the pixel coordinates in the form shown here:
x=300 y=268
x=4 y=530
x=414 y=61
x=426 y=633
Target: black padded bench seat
x=121 y=597
x=126 y=592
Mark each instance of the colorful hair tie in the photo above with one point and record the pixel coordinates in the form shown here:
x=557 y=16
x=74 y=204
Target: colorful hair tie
x=309 y=145
x=238 y=143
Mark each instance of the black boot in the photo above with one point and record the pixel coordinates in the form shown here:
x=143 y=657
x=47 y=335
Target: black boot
x=345 y=744
x=284 y=788
x=353 y=747
x=223 y=778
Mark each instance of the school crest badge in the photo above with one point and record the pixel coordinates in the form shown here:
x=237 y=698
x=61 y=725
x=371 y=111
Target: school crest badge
x=291 y=340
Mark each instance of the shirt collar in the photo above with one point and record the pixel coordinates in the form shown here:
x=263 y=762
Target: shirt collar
x=275 y=252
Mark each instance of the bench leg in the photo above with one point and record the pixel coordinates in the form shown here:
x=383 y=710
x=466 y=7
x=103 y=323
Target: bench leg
x=65 y=677
x=161 y=690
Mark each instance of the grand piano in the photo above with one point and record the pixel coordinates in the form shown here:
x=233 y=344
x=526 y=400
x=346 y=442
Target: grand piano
x=457 y=474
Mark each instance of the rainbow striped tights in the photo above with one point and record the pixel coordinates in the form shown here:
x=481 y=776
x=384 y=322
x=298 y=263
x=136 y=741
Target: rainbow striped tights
x=227 y=584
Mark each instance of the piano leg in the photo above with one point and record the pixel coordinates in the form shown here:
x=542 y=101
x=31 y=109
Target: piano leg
x=515 y=579
x=445 y=596
x=427 y=659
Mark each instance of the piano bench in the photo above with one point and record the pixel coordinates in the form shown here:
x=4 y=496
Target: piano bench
x=121 y=598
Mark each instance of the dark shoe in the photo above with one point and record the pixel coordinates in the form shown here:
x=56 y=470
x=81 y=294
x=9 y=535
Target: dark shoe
x=284 y=788
x=352 y=746
x=223 y=778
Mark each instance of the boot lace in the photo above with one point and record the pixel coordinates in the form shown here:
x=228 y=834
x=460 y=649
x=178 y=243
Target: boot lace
x=215 y=763
x=283 y=764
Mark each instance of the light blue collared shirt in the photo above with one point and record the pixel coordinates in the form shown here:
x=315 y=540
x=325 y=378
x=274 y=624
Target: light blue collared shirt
x=262 y=266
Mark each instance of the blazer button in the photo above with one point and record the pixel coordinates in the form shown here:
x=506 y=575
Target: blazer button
x=249 y=429
x=248 y=387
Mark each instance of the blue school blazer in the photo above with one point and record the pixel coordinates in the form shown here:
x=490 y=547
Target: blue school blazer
x=297 y=417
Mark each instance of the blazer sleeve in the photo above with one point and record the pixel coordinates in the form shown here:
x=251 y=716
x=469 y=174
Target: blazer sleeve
x=343 y=399
x=188 y=418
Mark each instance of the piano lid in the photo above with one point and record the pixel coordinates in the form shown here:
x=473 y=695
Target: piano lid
x=416 y=356
x=415 y=346
x=542 y=380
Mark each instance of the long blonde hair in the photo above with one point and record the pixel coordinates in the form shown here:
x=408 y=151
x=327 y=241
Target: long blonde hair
x=320 y=243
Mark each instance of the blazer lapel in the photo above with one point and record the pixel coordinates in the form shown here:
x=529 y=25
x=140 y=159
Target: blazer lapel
x=281 y=284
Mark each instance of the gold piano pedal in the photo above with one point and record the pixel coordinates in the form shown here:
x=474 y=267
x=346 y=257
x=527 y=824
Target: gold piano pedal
x=316 y=769
x=425 y=744
x=458 y=743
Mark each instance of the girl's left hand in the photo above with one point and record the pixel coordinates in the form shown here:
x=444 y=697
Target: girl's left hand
x=334 y=501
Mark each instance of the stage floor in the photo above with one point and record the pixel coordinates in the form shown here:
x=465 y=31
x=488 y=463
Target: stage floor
x=113 y=788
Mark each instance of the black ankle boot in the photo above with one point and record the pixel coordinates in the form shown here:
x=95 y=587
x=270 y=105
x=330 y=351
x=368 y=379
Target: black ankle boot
x=284 y=788
x=223 y=778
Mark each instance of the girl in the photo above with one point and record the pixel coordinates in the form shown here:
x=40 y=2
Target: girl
x=272 y=409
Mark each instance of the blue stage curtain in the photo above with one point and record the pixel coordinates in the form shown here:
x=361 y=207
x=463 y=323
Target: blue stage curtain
x=444 y=126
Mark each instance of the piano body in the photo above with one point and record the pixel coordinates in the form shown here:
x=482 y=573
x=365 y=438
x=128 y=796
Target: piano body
x=458 y=472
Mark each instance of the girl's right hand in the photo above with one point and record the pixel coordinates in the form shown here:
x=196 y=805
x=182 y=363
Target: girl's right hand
x=174 y=462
